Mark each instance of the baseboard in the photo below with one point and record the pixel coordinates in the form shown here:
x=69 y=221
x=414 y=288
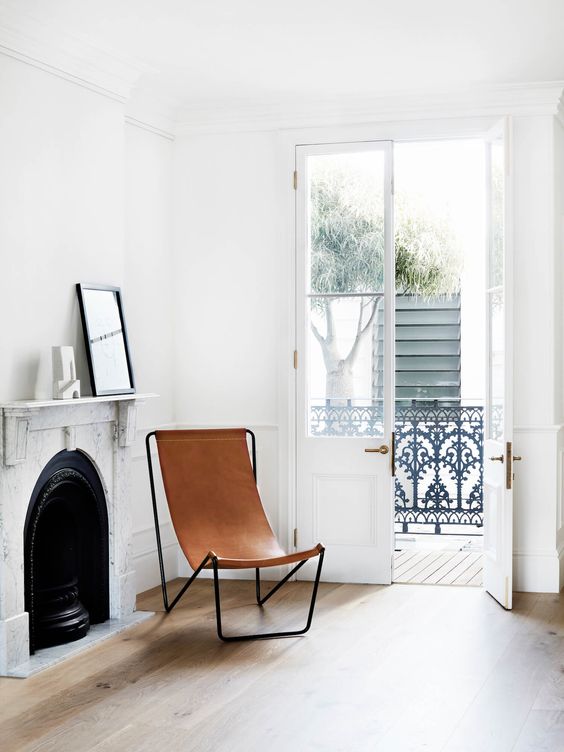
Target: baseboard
x=146 y=560
x=146 y=566
x=269 y=574
x=537 y=572
x=147 y=574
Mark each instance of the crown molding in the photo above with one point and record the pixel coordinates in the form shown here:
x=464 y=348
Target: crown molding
x=47 y=47
x=149 y=110
x=544 y=98
x=148 y=125
x=34 y=42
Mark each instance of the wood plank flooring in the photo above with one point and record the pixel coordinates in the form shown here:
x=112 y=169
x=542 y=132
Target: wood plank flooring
x=437 y=567
x=383 y=669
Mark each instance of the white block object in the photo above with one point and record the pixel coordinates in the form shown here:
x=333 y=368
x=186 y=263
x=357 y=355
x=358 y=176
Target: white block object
x=65 y=383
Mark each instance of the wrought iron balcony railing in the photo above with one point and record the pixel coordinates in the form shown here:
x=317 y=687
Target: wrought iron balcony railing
x=439 y=457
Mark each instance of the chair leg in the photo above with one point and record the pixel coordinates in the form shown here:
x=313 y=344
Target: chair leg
x=257 y=586
x=283 y=581
x=168 y=608
x=266 y=635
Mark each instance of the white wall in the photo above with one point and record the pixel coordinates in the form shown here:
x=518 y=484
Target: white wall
x=84 y=197
x=61 y=218
x=149 y=275
x=559 y=331
x=537 y=353
x=227 y=239
x=227 y=244
x=228 y=199
x=148 y=281
x=558 y=219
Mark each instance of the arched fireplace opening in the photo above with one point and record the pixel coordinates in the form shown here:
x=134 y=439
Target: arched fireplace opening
x=66 y=555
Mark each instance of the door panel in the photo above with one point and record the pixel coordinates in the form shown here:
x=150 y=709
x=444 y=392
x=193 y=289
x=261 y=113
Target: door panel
x=498 y=456
x=331 y=495
x=345 y=362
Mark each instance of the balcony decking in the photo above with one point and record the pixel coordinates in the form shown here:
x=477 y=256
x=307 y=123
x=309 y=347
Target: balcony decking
x=458 y=562
x=436 y=568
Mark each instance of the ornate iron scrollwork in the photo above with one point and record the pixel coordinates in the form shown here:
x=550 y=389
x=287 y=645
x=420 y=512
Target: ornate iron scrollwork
x=439 y=465
x=439 y=457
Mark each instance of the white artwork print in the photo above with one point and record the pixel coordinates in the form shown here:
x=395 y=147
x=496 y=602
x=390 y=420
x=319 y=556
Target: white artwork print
x=107 y=343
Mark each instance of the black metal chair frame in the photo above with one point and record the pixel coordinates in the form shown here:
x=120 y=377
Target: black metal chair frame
x=213 y=560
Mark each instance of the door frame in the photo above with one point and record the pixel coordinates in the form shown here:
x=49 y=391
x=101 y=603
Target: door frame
x=287 y=141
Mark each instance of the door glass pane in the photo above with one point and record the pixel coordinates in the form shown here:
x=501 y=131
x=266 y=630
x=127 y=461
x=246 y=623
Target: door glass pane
x=345 y=304
x=346 y=365
x=496 y=364
x=346 y=222
x=495 y=292
x=497 y=214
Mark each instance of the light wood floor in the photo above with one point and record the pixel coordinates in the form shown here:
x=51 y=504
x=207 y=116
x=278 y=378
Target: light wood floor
x=438 y=567
x=385 y=669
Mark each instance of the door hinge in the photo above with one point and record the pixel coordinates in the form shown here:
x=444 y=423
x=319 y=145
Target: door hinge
x=295 y=359
x=295 y=180
x=295 y=537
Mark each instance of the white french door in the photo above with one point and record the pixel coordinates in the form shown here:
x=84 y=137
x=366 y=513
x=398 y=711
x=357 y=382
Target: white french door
x=498 y=439
x=345 y=349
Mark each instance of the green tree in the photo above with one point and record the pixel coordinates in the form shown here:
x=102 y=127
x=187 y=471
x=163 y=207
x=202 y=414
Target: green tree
x=347 y=256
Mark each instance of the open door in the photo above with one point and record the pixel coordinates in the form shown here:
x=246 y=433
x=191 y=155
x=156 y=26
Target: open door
x=498 y=439
x=345 y=357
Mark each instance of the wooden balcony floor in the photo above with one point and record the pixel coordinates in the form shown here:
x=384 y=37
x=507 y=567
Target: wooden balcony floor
x=455 y=562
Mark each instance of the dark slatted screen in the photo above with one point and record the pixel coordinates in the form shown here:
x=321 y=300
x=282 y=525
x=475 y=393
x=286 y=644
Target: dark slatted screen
x=427 y=349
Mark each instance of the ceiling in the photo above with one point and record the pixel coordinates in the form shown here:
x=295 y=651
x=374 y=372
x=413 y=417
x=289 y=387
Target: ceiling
x=216 y=52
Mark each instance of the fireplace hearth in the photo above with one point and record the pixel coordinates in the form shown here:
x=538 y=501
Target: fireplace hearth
x=66 y=552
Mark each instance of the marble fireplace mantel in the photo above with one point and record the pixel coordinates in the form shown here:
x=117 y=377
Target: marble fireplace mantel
x=32 y=432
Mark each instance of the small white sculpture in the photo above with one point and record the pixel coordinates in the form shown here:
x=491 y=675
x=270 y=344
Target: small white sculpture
x=65 y=383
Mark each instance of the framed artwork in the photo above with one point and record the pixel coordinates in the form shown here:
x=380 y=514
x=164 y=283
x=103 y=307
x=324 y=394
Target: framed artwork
x=105 y=337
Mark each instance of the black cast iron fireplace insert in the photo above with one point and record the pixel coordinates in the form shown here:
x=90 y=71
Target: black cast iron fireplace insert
x=66 y=557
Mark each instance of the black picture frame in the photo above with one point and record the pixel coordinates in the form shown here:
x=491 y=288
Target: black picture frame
x=105 y=339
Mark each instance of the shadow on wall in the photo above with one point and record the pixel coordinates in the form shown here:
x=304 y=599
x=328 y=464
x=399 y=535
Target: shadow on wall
x=80 y=359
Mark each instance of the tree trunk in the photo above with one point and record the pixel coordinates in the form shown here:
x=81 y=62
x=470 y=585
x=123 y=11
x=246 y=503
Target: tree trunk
x=339 y=381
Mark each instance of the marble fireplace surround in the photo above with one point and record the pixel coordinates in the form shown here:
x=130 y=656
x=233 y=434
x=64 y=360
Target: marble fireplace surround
x=32 y=432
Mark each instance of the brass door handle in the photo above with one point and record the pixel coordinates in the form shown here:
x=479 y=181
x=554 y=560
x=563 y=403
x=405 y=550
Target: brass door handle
x=384 y=449
x=497 y=459
x=517 y=458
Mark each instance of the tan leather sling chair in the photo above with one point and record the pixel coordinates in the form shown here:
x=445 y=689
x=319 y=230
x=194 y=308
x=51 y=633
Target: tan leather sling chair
x=217 y=513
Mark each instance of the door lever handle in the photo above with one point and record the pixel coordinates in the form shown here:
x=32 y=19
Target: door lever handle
x=498 y=459
x=384 y=449
x=517 y=458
